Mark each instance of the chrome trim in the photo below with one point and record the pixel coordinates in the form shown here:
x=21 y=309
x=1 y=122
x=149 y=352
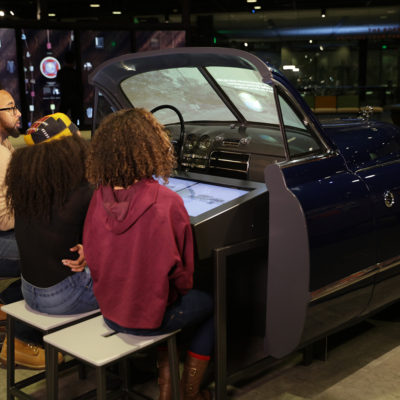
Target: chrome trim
x=229 y=160
x=390 y=263
x=345 y=282
x=295 y=105
x=388 y=198
x=315 y=157
x=215 y=160
x=355 y=278
x=377 y=166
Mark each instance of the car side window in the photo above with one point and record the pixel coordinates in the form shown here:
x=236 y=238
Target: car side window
x=103 y=108
x=301 y=139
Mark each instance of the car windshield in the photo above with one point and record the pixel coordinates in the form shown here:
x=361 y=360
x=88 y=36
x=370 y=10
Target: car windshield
x=188 y=90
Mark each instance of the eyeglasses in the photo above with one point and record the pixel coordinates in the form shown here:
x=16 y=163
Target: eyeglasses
x=13 y=109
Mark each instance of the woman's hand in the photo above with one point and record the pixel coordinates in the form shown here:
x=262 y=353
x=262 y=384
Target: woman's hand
x=79 y=264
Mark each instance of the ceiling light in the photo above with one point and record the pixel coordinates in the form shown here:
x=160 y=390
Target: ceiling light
x=12 y=12
x=245 y=44
x=51 y=14
x=251 y=1
x=94 y=5
x=310 y=41
x=2 y=13
x=321 y=48
x=323 y=12
x=117 y=12
x=257 y=7
x=289 y=67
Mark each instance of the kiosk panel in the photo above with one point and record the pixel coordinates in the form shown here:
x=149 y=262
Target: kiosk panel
x=222 y=211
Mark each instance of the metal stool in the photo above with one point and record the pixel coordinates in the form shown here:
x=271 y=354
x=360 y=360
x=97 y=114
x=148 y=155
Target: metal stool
x=94 y=343
x=45 y=323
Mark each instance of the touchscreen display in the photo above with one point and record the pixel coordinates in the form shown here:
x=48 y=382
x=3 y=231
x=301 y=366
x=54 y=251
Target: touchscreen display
x=200 y=197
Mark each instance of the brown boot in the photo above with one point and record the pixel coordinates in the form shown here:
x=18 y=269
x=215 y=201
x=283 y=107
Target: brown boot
x=193 y=373
x=3 y=318
x=3 y=315
x=164 y=375
x=26 y=354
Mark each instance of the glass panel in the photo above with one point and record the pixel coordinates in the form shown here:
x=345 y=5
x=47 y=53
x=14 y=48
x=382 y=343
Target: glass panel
x=103 y=109
x=301 y=140
x=253 y=98
x=184 y=88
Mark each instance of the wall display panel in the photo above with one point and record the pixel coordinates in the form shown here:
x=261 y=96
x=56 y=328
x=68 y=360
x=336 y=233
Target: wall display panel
x=97 y=47
x=43 y=52
x=8 y=63
x=156 y=40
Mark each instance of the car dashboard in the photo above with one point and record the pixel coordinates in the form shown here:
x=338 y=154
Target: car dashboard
x=228 y=150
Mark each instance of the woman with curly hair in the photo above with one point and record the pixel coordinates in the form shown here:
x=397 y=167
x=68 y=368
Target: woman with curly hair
x=139 y=246
x=48 y=191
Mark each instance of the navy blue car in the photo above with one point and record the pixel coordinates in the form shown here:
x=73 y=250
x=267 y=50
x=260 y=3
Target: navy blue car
x=332 y=219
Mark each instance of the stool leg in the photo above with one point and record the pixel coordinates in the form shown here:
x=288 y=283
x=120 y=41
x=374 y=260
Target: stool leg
x=174 y=367
x=51 y=372
x=125 y=374
x=101 y=383
x=10 y=356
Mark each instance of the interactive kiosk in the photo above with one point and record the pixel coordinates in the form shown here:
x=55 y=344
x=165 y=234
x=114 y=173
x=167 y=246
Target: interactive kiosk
x=228 y=217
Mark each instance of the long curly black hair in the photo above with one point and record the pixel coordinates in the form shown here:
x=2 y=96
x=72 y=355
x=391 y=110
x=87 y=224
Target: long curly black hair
x=40 y=178
x=129 y=145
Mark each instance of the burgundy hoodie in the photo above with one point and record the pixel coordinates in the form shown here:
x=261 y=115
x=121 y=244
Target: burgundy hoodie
x=139 y=248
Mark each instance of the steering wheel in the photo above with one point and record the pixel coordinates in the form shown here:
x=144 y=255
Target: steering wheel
x=181 y=122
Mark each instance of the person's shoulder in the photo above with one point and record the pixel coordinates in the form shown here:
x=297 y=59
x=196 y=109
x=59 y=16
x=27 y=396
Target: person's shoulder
x=6 y=150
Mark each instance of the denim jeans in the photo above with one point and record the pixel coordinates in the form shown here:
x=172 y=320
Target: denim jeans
x=195 y=309
x=73 y=295
x=9 y=255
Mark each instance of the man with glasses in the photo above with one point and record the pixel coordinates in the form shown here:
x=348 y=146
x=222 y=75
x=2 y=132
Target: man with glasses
x=9 y=124
x=25 y=354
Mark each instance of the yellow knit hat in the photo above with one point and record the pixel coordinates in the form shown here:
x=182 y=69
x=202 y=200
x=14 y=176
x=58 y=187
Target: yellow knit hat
x=53 y=126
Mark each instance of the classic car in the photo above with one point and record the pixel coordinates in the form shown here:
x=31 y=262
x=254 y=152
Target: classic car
x=330 y=209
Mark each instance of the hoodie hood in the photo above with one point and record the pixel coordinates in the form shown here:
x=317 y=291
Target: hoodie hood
x=122 y=208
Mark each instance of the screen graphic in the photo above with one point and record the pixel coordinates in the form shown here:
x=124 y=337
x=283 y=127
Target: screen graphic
x=200 y=197
x=43 y=52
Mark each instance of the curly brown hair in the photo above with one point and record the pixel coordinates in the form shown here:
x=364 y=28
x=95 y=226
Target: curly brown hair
x=129 y=145
x=43 y=176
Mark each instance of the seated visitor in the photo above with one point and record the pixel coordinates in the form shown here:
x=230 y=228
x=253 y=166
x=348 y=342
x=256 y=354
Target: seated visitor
x=47 y=189
x=138 y=244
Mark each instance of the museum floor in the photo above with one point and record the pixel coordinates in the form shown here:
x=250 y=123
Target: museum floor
x=363 y=364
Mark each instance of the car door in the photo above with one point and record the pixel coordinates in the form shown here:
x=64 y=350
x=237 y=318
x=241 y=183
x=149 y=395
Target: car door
x=321 y=241
x=382 y=177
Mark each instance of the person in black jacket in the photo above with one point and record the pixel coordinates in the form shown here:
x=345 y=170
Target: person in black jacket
x=47 y=189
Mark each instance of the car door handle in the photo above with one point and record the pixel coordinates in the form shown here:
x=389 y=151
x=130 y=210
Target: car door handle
x=388 y=198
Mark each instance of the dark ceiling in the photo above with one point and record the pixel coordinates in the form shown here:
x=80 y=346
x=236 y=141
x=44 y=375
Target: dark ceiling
x=80 y=9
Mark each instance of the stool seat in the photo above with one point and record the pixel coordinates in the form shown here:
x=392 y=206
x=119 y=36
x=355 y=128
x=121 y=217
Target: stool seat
x=44 y=322
x=94 y=342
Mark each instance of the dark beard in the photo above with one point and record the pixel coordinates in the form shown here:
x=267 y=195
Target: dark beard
x=13 y=132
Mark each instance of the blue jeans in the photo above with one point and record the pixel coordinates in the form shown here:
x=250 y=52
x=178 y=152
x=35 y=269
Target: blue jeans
x=73 y=295
x=9 y=255
x=195 y=309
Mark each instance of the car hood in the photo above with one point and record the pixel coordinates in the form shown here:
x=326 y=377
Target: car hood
x=362 y=142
